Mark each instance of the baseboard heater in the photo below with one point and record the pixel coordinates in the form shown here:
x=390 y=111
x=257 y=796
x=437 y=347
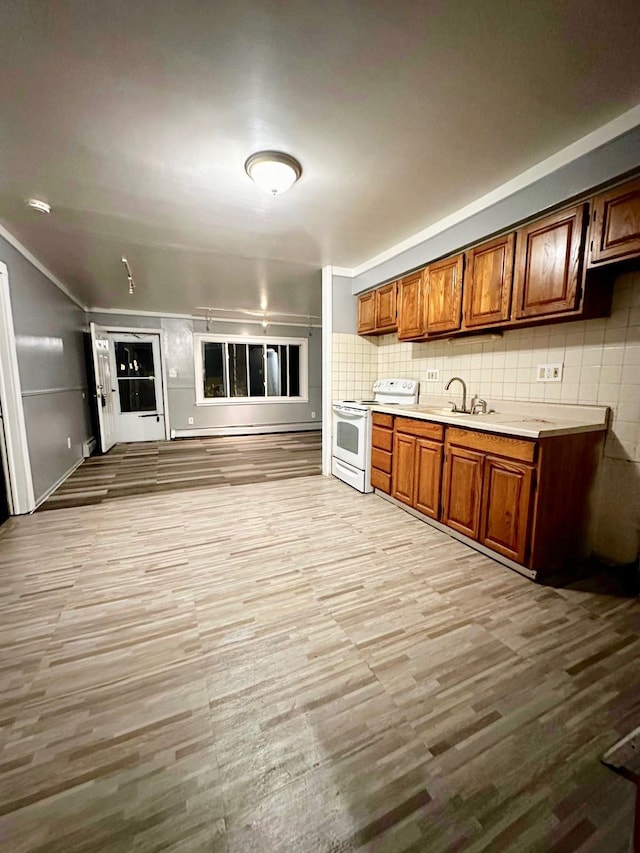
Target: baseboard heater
x=88 y=447
x=252 y=429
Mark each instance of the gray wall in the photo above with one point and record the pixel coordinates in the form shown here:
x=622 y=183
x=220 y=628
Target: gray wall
x=177 y=341
x=618 y=157
x=345 y=307
x=49 y=342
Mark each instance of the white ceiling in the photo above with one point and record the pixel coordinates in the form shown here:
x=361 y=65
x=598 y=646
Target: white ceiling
x=133 y=119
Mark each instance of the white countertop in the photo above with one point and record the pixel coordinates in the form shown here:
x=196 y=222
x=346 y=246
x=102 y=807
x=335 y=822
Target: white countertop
x=526 y=420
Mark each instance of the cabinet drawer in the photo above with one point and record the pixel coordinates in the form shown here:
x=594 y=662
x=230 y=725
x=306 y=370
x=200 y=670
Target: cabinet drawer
x=422 y=429
x=500 y=445
x=382 y=438
x=382 y=420
x=380 y=480
x=381 y=459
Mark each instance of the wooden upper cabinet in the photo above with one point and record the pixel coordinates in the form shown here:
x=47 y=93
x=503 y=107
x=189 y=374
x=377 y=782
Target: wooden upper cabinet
x=411 y=306
x=386 y=316
x=615 y=226
x=377 y=310
x=548 y=269
x=488 y=279
x=506 y=498
x=443 y=301
x=366 y=312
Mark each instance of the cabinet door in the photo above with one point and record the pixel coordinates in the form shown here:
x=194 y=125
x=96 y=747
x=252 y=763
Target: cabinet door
x=367 y=312
x=615 y=229
x=506 y=499
x=404 y=449
x=386 y=318
x=549 y=260
x=444 y=295
x=411 y=307
x=463 y=491
x=488 y=279
x=427 y=477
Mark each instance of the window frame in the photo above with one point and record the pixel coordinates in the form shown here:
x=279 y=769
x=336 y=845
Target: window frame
x=201 y=338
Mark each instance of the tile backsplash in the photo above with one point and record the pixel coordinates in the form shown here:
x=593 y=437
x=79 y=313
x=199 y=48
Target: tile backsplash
x=355 y=367
x=601 y=365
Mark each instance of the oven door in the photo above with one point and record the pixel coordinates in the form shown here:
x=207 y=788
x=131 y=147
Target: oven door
x=350 y=435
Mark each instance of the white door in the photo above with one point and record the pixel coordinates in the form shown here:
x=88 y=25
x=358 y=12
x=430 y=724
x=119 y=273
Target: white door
x=105 y=387
x=138 y=401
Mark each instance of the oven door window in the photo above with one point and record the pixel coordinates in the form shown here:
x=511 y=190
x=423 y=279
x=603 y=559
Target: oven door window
x=348 y=436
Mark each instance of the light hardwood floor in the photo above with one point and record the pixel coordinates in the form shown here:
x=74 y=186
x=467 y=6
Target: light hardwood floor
x=293 y=666
x=144 y=468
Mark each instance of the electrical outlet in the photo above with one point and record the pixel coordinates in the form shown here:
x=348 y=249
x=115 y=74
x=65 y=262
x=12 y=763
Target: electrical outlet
x=190 y=420
x=433 y=375
x=68 y=442
x=549 y=373
x=173 y=373
x=313 y=414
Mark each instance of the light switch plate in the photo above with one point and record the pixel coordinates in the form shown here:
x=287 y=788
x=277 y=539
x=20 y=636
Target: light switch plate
x=549 y=373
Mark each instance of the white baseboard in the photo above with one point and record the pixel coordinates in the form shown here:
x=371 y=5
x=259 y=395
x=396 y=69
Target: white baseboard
x=266 y=429
x=59 y=482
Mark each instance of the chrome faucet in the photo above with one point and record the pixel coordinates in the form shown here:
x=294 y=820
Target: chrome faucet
x=478 y=405
x=464 y=394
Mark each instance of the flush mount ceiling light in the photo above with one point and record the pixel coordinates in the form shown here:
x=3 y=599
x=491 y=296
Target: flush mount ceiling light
x=273 y=171
x=39 y=205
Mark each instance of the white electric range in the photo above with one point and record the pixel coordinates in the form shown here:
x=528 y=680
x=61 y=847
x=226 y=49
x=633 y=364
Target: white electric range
x=351 y=436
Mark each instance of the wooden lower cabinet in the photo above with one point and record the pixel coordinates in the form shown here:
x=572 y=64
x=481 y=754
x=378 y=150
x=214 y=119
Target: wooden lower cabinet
x=488 y=497
x=381 y=452
x=506 y=502
x=404 y=467
x=463 y=491
x=417 y=465
x=527 y=500
x=428 y=477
